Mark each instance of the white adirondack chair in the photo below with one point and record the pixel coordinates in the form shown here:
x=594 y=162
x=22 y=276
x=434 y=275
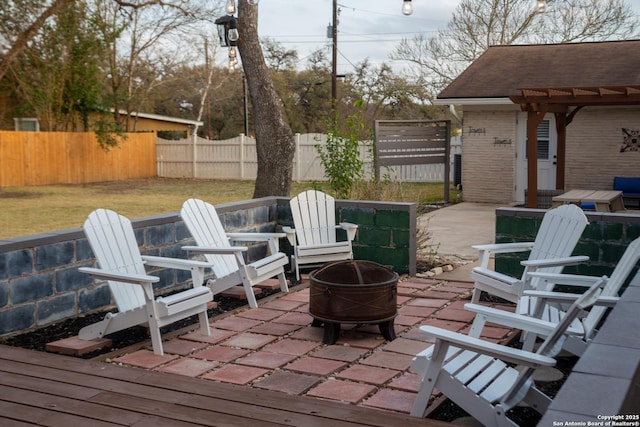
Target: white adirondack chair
x=314 y=236
x=556 y=239
x=487 y=379
x=227 y=261
x=120 y=263
x=550 y=306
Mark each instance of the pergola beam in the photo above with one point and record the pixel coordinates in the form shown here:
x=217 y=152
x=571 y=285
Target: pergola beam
x=539 y=101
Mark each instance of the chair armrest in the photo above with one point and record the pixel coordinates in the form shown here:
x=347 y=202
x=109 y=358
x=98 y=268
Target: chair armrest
x=176 y=263
x=504 y=247
x=229 y=250
x=565 y=279
x=555 y=262
x=483 y=275
x=505 y=353
x=506 y=318
x=136 y=279
x=349 y=228
x=255 y=237
x=605 y=301
x=291 y=234
x=485 y=251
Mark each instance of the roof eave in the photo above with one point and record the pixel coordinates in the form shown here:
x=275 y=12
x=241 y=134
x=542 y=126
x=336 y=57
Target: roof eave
x=472 y=101
x=162 y=118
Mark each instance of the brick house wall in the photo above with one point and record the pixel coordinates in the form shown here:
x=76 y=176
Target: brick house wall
x=489 y=154
x=593 y=147
x=593 y=157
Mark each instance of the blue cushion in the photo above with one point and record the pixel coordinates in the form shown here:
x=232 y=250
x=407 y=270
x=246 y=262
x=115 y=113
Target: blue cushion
x=630 y=185
x=588 y=206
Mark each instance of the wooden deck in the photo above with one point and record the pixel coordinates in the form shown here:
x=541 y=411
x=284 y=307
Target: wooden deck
x=38 y=388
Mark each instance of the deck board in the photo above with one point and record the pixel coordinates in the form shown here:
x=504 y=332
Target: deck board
x=38 y=388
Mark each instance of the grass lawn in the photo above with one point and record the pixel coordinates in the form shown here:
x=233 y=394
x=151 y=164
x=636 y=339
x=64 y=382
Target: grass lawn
x=32 y=210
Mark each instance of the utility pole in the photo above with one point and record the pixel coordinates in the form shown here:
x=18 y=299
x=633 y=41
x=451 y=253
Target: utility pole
x=334 y=56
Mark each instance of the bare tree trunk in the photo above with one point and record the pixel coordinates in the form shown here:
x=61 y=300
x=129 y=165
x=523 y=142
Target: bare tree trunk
x=275 y=144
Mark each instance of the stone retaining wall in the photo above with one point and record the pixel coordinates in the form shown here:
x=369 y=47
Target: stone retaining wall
x=604 y=240
x=40 y=283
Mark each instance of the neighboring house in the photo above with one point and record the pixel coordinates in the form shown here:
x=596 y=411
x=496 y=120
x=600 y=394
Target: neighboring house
x=578 y=102
x=137 y=122
x=141 y=122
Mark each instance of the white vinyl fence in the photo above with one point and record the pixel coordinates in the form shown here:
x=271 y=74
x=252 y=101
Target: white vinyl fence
x=236 y=159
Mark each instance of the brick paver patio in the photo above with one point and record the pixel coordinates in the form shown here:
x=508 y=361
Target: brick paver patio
x=275 y=347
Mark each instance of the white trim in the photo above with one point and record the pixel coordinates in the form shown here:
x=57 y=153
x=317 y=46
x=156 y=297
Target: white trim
x=472 y=101
x=162 y=118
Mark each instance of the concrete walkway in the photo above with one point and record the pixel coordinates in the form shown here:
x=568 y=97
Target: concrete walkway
x=454 y=229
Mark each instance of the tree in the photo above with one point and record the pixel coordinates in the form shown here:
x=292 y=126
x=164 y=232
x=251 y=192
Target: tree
x=58 y=73
x=274 y=139
x=478 y=24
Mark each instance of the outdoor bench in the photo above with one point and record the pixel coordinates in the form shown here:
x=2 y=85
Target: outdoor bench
x=630 y=187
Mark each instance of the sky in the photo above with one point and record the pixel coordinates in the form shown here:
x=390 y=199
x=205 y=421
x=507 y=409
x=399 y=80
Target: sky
x=366 y=28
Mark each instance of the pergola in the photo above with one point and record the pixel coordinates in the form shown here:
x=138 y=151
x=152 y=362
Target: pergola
x=564 y=103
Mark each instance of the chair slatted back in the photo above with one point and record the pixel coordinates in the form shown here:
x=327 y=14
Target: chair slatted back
x=619 y=276
x=115 y=247
x=314 y=218
x=559 y=232
x=552 y=344
x=558 y=235
x=205 y=226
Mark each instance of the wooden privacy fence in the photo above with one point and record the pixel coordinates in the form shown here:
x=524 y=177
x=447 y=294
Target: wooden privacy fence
x=236 y=158
x=42 y=158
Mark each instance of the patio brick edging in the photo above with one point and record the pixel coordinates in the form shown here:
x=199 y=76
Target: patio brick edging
x=40 y=283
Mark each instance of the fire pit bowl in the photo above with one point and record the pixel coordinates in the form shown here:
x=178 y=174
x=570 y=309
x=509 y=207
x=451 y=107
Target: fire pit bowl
x=361 y=292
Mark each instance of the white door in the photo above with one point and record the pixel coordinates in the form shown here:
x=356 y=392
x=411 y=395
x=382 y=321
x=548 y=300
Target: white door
x=547 y=155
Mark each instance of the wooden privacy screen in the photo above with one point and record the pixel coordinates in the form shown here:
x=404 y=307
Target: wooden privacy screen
x=413 y=142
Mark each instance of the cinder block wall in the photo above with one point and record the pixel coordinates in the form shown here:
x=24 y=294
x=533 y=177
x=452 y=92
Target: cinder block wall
x=604 y=240
x=40 y=283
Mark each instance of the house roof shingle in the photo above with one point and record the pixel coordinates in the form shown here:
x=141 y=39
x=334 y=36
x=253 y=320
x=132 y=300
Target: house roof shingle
x=502 y=71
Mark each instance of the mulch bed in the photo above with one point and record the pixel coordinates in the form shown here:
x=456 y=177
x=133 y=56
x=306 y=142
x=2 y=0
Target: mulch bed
x=37 y=340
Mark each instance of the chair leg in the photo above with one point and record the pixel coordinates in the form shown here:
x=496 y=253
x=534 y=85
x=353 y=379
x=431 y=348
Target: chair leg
x=156 y=338
x=429 y=379
x=251 y=298
x=204 y=323
x=295 y=267
x=475 y=298
x=283 y=282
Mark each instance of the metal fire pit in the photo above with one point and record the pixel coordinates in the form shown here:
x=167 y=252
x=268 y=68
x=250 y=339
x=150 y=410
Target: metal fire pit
x=360 y=292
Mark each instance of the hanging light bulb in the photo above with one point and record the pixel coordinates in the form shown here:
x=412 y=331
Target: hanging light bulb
x=233 y=35
x=231 y=7
x=541 y=5
x=407 y=7
x=232 y=52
